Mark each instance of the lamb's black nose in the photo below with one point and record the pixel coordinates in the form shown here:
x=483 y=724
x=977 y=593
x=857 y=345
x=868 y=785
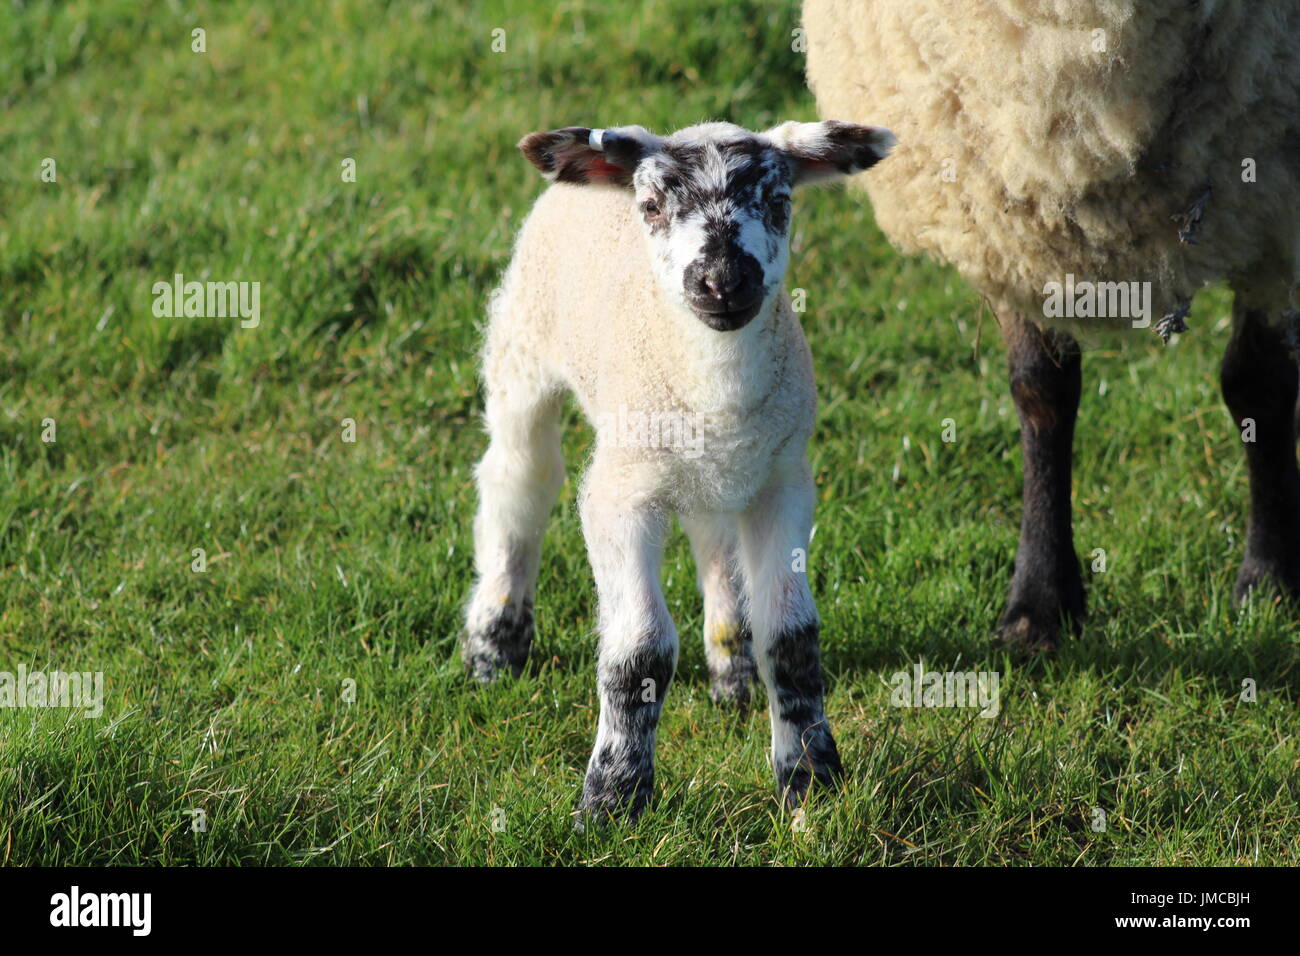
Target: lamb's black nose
x=720 y=283
x=725 y=283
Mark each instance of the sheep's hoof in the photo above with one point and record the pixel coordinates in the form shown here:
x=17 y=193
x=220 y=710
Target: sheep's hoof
x=1029 y=629
x=607 y=800
x=501 y=647
x=730 y=688
x=817 y=769
x=1266 y=580
x=601 y=817
x=487 y=669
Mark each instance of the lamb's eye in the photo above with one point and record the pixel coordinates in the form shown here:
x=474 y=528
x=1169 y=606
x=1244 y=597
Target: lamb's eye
x=651 y=210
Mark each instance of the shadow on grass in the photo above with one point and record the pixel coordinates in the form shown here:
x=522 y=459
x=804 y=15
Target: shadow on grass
x=1266 y=650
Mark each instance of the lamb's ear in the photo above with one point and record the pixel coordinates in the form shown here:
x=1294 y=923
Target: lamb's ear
x=578 y=154
x=821 y=151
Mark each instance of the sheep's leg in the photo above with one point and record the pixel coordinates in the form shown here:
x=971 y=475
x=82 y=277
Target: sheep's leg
x=518 y=481
x=1047 y=587
x=1260 y=381
x=774 y=534
x=638 y=645
x=727 y=639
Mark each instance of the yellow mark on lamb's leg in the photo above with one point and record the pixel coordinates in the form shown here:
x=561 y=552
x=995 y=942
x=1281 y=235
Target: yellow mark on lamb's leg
x=724 y=638
x=731 y=669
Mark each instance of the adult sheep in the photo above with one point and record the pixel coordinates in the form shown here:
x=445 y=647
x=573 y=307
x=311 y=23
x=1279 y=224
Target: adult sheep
x=1111 y=141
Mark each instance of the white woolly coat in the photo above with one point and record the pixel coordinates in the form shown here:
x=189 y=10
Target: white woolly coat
x=1069 y=159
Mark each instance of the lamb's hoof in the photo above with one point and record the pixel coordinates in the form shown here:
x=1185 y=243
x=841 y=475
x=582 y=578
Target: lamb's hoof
x=1265 y=580
x=818 y=768
x=501 y=647
x=606 y=799
x=487 y=668
x=599 y=817
x=731 y=688
x=1036 y=629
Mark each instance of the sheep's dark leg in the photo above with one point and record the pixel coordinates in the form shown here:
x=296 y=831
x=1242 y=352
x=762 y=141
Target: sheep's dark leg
x=1047 y=589
x=1297 y=414
x=638 y=645
x=1260 y=382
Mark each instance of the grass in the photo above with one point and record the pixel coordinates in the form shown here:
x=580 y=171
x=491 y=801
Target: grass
x=331 y=561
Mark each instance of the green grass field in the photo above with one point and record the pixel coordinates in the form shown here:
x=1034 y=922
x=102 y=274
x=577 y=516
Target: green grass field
x=330 y=561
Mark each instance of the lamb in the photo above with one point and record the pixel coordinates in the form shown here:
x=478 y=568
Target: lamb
x=1149 y=141
x=647 y=281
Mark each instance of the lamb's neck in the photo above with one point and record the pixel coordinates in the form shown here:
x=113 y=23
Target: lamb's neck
x=727 y=371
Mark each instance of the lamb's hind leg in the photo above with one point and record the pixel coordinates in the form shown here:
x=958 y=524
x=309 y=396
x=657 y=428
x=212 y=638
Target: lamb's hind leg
x=518 y=481
x=727 y=640
x=1260 y=381
x=1047 y=588
x=638 y=643
x=774 y=534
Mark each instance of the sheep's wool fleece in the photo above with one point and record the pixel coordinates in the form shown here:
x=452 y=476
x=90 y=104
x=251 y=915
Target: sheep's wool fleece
x=1064 y=158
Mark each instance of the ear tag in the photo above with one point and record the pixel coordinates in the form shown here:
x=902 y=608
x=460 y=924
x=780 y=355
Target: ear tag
x=595 y=139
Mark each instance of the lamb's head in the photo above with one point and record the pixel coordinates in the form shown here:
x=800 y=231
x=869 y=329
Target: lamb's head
x=714 y=199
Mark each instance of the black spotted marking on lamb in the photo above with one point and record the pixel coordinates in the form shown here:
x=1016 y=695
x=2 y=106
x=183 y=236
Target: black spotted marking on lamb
x=502 y=645
x=623 y=688
x=731 y=681
x=863 y=158
x=797 y=674
x=622 y=150
x=727 y=185
x=815 y=764
x=572 y=173
x=563 y=156
x=776 y=215
x=722 y=255
x=721 y=239
x=620 y=780
x=756 y=182
x=795 y=660
x=542 y=150
x=863 y=152
x=620 y=775
x=540 y=147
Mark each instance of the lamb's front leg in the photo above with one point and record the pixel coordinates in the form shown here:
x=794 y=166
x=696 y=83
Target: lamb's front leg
x=774 y=534
x=638 y=645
